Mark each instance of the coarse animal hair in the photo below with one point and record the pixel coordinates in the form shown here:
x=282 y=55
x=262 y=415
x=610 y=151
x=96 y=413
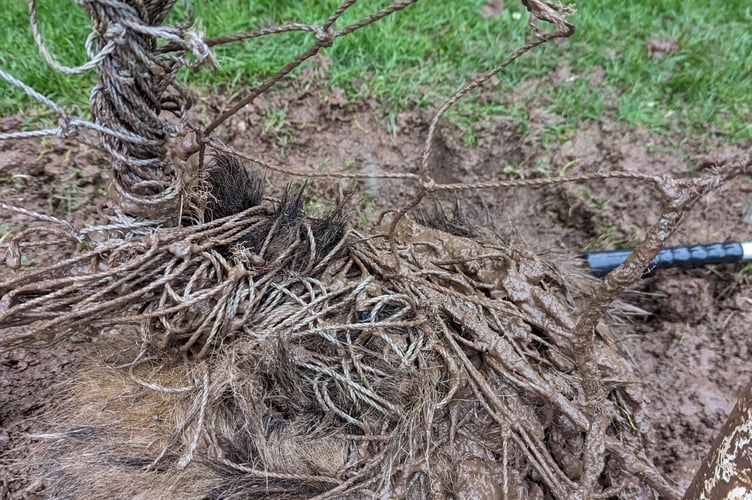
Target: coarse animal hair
x=363 y=366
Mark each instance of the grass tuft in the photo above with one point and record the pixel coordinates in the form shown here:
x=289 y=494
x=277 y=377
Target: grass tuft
x=700 y=83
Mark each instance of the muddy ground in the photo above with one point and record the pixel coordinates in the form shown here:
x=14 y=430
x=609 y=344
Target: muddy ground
x=689 y=337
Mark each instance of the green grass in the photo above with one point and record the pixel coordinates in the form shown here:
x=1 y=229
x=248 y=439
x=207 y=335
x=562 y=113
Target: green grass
x=421 y=55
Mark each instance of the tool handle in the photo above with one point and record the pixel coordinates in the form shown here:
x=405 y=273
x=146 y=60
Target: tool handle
x=601 y=263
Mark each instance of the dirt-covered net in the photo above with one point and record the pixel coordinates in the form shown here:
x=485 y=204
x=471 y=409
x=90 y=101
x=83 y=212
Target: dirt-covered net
x=250 y=349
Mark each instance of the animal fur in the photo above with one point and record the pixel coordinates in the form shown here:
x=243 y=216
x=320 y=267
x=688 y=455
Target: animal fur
x=356 y=374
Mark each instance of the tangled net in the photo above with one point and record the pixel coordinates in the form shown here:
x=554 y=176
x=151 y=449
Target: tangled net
x=264 y=352
x=324 y=362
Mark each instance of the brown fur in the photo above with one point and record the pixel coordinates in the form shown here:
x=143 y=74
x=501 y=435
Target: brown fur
x=353 y=374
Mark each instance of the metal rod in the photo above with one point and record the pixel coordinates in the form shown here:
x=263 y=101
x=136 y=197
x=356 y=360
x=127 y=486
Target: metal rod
x=600 y=263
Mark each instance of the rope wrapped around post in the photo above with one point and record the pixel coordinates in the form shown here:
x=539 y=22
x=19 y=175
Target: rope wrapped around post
x=131 y=95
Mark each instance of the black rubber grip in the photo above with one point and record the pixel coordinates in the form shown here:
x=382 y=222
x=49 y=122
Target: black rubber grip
x=600 y=263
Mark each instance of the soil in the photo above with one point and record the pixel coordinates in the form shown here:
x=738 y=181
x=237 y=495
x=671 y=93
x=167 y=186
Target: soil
x=687 y=331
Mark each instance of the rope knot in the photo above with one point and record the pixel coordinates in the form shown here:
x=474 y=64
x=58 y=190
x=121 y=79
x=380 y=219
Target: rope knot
x=325 y=36
x=428 y=184
x=201 y=52
x=66 y=130
x=117 y=34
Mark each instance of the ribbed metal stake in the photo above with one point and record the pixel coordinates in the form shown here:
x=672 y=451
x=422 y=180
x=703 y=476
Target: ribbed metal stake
x=727 y=470
x=601 y=263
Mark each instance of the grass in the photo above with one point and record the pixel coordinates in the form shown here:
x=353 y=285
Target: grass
x=421 y=55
